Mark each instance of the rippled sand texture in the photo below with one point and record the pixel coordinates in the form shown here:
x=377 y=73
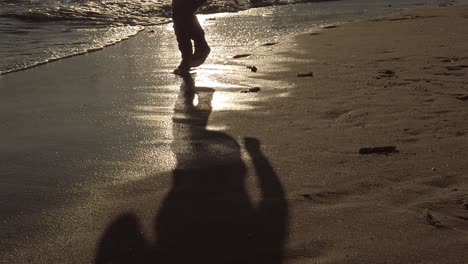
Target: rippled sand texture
x=396 y=81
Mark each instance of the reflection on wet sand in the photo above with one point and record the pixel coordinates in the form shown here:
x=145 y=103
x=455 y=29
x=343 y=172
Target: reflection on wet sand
x=207 y=216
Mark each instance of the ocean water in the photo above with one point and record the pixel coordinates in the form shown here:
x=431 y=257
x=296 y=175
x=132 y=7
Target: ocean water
x=33 y=32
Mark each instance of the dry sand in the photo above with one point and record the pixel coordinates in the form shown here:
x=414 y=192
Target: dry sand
x=397 y=81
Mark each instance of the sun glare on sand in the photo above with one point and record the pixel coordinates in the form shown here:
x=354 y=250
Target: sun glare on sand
x=220 y=77
x=226 y=96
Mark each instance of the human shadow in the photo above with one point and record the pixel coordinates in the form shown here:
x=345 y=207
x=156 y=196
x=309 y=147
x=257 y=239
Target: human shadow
x=207 y=216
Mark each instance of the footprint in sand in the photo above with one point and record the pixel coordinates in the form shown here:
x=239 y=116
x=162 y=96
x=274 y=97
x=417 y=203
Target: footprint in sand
x=386 y=74
x=450 y=59
x=389 y=59
x=418 y=80
x=462 y=97
x=456 y=68
x=457 y=74
x=439 y=182
x=410 y=140
x=323 y=196
x=431 y=219
x=334 y=113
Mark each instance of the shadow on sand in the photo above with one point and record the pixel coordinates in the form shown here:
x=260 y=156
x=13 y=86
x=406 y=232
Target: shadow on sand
x=207 y=216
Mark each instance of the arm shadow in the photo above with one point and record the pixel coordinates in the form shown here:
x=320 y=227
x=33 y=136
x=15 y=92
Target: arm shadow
x=206 y=216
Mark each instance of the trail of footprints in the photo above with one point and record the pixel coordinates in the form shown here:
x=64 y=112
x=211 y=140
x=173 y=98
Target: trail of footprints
x=446 y=66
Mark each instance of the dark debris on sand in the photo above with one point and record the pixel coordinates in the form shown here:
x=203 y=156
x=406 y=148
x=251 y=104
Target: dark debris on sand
x=305 y=74
x=241 y=56
x=379 y=150
x=252 y=68
x=252 y=90
x=270 y=44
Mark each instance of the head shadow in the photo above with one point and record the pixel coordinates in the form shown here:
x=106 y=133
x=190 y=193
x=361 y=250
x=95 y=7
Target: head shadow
x=207 y=216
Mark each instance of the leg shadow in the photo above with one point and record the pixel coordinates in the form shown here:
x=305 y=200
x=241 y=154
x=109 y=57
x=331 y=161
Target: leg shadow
x=123 y=242
x=207 y=216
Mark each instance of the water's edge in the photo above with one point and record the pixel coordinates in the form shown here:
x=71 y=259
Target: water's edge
x=209 y=10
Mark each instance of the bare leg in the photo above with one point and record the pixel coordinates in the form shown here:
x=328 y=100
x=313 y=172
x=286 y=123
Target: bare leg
x=202 y=50
x=182 y=15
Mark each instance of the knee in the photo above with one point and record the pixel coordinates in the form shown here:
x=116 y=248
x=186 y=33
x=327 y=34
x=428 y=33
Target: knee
x=183 y=8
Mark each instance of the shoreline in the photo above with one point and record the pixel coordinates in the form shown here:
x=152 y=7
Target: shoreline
x=311 y=130
x=168 y=21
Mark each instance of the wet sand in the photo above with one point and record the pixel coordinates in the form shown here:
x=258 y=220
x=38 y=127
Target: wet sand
x=274 y=176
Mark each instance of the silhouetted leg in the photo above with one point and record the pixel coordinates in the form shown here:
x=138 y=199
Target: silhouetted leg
x=183 y=35
x=182 y=16
x=202 y=50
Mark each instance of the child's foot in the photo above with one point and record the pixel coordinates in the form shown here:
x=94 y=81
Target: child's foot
x=200 y=55
x=182 y=70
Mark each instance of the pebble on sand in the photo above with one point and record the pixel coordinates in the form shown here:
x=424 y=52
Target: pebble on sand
x=252 y=68
x=252 y=90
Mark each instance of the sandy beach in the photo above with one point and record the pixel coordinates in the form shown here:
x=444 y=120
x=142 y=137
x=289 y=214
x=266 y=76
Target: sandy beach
x=396 y=81
x=201 y=170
